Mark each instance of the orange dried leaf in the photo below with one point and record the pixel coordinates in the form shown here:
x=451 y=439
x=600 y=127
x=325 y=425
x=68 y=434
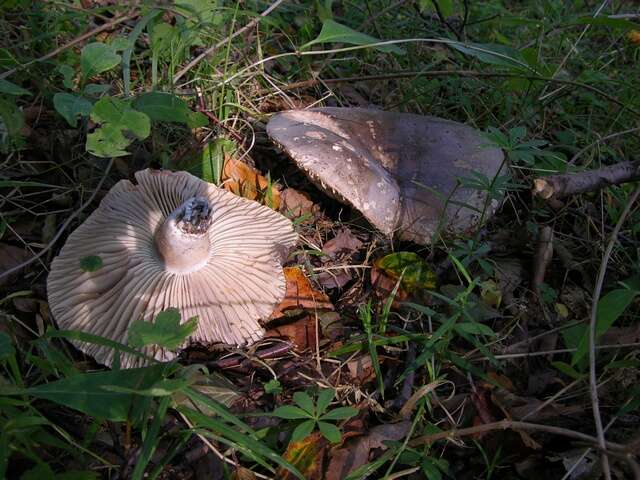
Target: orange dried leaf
x=301 y=294
x=302 y=333
x=307 y=456
x=245 y=181
x=634 y=37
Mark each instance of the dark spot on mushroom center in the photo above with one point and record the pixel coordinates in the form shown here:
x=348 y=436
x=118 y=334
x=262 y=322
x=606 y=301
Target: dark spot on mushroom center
x=194 y=216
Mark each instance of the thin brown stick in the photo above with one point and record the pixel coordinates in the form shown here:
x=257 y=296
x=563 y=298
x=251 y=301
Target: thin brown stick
x=514 y=425
x=593 y=380
x=221 y=43
x=64 y=226
x=600 y=140
x=557 y=186
x=448 y=73
x=72 y=43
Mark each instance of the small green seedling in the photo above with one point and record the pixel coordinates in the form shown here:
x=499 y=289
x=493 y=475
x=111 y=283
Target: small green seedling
x=315 y=415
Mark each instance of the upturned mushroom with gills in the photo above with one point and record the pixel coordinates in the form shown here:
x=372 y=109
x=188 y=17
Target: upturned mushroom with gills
x=171 y=241
x=401 y=171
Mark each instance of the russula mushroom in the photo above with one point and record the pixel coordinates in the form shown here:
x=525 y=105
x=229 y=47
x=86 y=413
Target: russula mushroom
x=400 y=170
x=171 y=241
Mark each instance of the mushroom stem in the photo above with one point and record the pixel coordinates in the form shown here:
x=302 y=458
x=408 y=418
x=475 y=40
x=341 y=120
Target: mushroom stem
x=182 y=240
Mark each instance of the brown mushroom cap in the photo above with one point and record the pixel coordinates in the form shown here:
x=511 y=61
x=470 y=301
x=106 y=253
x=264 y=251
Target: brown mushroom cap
x=171 y=241
x=398 y=169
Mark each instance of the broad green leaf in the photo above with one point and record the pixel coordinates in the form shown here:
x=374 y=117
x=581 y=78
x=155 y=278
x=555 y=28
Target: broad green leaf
x=493 y=54
x=165 y=331
x=162 y=36
x=567 y=370
x=304 y=401
x=341 y=413
x=415 y=272
x=214 y=386
x=334 y=32
x=96 y=89
x=166 y=107
x=87 y=393
x=430 y=469
x=475 y=329
x=243 y=441
x=324 y=399
x=12 y=118
x=67 y=72
x=96 y=58
x=610 y=307
x=289 y=412
x=273 y=386
x=71 y=107
x=302 y=430
x=330 y=431
x=116 y=118
x=607 y=22
x=12 y=89
x=6 y=346
x=90 y=263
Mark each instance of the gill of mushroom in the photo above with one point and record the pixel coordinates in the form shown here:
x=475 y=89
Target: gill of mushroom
x=401 y=171
x=171 y=241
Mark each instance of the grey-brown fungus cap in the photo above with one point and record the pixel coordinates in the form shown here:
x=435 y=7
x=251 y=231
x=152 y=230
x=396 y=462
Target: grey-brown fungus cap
x=400 y=170
x=171 y=241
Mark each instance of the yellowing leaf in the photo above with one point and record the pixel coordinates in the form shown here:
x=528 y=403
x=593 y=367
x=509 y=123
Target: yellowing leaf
x=414 y=270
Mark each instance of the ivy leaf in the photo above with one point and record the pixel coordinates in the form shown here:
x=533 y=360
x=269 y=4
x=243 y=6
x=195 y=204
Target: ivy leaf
x=71 y=106
x=166 y=107
x=98 y=57
x=90 y=263
x=116 y=118
x=165 y=331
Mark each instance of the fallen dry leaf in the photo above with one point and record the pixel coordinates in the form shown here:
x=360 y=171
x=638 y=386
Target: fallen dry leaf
x=307 y=455
x=300 y=294
x=361 y=369
x=344 y=242
x=295 y=204
x=245 y=181
x=302 y=333
x=356 y=451
x=11 y=257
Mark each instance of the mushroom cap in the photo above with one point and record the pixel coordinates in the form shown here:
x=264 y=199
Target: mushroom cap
x=399 y=170
x=239 y=282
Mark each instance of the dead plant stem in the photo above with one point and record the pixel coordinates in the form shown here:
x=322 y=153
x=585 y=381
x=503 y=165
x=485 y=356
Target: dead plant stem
x=515 y=425
x=593 y=383
x=64 y=226
x=222 y=42
x=75 y=41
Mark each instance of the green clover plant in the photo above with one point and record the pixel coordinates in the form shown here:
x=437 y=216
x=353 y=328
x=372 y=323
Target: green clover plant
x=315 y=415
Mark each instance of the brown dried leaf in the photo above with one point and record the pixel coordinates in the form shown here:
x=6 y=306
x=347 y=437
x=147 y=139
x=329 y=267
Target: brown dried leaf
x=307 y=456
x=295 y=204
x=361 y=369
x=355 y=452
x=11 y=257
x=247 y=182
x=300 y=294
x=302 y=333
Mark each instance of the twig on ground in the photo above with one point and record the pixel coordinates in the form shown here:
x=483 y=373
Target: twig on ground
x=557 y=186
x=75 y=41
x=64 y=226
x=514 y=425
x=593 y=385
x=215 y=47
x=600 y=140
x=543 y=256
x=448 y=73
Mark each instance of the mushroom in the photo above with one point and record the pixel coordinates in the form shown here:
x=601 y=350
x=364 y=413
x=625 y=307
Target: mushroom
x=171 y=241
x=399 y=170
